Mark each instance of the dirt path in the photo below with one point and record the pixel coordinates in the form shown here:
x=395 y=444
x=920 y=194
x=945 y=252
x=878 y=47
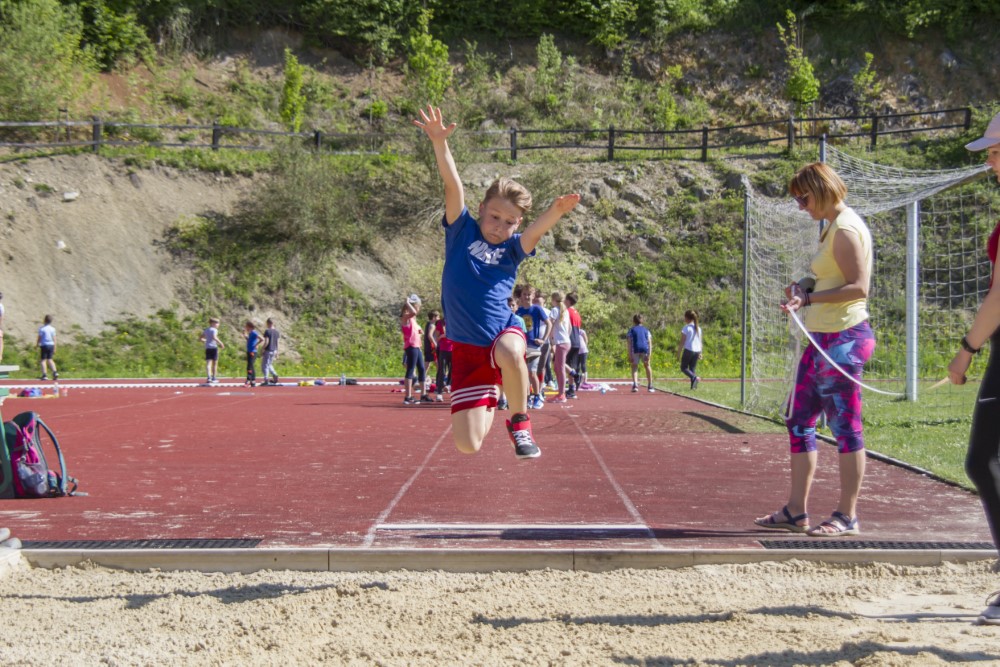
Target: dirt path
x=775 y=614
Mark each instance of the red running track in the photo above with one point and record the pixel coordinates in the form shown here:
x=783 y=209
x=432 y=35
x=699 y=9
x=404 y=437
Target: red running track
x=353 y=467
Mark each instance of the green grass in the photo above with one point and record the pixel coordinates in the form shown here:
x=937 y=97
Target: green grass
x=931 y=434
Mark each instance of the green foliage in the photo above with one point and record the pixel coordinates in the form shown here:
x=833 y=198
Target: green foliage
x=867 y=87
x=371 y=28
x=42 y=64
x=616 y=19
x=802 y=86
x=113 y=36
x=293 y=102
x=428 y=70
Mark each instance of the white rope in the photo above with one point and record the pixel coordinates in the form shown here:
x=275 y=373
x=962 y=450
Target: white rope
x=812 y=341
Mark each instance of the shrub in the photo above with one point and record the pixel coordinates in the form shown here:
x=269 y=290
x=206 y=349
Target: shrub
x=427 y=69
x=802 y=86
x=293 y=102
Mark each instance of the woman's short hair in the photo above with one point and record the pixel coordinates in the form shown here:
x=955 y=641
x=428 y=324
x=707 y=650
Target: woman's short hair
x=820 y=182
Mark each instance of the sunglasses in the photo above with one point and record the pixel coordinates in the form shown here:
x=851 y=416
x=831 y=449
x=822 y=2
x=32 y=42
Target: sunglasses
x=801 y=199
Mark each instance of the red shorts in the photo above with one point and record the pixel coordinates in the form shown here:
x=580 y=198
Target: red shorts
x=475 y=375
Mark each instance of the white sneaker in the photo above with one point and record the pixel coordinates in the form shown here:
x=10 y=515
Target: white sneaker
x=991 y=615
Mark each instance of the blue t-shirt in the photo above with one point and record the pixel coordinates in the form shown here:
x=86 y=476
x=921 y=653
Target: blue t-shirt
x=639 y=335
x=537 y=315
x=478 y=278
x=519 y=322
x=252 y=339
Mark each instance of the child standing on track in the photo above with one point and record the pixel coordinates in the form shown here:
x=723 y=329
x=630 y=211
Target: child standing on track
x=413 y=356
x=640 y=347
x=443 y=346
x=47 y=348
x=270 y=353
x=690 y=347
x=480 y=268
x=253 y=342
x=210 y=337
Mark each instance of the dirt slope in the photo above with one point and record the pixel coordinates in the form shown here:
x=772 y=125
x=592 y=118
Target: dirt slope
x=90 y=257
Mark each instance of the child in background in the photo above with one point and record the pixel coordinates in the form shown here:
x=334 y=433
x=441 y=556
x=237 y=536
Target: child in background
x=444 y=347
x=581 y=359
x=502 y=404
x=210 y=337
x=537 y=324
x=253 y=342
x=430 y=347
x=47 y=348
x=690 y=347
x=269 y=353
x=413 y=356
x=560 y=344
x=480 y=268
x=640 y=347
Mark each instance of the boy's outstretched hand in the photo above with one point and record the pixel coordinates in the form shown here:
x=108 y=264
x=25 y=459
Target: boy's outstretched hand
x=566 y=203
x=432 y=123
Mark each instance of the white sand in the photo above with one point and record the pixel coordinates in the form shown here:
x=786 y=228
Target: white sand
x=775 y=614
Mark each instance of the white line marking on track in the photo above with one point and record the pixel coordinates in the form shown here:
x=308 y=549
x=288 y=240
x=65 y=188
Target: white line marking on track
x=370 y=535
x=629 y=506
x=593 y=527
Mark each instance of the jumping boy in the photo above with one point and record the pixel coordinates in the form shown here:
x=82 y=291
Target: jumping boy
x=480 y=267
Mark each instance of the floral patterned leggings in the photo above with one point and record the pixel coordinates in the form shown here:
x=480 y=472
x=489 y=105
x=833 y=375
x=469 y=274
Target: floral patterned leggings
x=821 y=388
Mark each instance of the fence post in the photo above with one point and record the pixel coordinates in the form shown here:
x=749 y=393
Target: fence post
x=611 y=143
x=216 y=135
x=791 y=133
x=968 y=118
x=318 y=139
x=704 y=143
x=874 y=129
x=513 y=144
x=98 y=130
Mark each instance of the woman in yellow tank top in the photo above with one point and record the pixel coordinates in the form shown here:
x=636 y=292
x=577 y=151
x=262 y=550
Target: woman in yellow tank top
x=836 y=315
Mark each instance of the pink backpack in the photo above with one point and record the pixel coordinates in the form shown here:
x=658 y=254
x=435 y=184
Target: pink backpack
x=24 y=472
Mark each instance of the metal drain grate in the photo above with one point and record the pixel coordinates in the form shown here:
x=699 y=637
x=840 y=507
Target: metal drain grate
x=242 y=543
x=820 y=543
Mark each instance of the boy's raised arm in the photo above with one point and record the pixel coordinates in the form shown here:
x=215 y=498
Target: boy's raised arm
x=543 y=223
x=432 y=123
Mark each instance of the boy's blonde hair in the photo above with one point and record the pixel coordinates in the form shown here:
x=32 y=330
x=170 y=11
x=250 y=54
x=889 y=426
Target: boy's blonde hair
x=821 y=183
x=213 y=320
x=512 y=191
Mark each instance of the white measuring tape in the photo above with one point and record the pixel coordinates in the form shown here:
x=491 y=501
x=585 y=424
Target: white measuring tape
x=795 y=318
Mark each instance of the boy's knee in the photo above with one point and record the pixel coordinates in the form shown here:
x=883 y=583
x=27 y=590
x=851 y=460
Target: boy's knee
x=467 y=446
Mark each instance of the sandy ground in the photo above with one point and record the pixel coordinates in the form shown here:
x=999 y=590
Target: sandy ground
x=793 y=613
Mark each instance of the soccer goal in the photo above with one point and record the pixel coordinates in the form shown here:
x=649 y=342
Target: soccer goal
x=929 y=229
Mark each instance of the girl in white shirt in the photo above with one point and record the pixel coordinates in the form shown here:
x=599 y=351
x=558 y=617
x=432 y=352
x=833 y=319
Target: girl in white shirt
x=690 y=347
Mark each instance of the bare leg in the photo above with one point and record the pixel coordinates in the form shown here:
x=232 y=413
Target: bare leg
x=470 y=428
x=509 y=355
x=852 y=472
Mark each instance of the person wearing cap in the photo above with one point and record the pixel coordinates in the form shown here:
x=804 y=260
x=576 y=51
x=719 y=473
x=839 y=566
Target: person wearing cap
x=982 y=463
x=413 y=355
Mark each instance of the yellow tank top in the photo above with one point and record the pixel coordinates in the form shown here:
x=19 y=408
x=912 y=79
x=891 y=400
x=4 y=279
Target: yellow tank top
x=833 y=317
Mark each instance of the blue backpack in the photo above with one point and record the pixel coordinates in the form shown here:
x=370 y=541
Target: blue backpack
x=24 y=472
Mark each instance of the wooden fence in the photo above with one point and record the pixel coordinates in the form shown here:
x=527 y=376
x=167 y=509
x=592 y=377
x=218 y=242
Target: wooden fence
x=610 y=143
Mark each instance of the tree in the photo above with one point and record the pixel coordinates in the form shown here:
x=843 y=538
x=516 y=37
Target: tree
x=427 y=69
x=293 y=102
x=802 y=86
x=42 y=64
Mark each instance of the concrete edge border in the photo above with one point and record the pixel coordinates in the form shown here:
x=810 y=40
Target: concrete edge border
x=476 y=560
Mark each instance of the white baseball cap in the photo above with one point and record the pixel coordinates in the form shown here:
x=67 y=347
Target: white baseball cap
x=413 y=298
x=991 y=137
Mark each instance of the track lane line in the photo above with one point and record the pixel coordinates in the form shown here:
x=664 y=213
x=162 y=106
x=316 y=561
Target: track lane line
x=370 y=535
x=626 y=501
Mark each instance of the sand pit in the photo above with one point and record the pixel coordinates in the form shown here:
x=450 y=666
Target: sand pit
x=793 y=613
